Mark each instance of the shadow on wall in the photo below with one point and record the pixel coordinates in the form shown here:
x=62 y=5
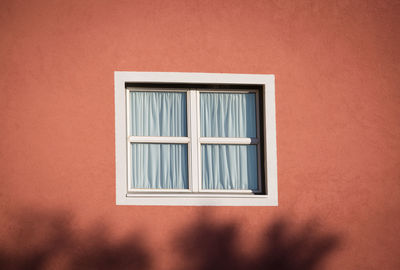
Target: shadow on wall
x=282 y=246
x=47 y=241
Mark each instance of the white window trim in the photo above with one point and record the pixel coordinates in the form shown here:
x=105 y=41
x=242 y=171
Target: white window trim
x=124 y=197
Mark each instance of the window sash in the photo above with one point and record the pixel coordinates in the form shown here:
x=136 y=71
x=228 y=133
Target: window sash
x=155 y=139
x=231 y=140
x=193 y=140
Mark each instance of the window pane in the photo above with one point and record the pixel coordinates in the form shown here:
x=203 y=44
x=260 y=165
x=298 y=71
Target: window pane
x=158 y=114
x=229 y=166
x=159 y=166
x=228 y=115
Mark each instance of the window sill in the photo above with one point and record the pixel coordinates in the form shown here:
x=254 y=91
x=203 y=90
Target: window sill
x=198 y=200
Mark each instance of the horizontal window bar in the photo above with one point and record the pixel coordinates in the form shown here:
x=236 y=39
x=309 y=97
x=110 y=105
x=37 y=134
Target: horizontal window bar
x=145 y=139
x=199 y=195
x=227 y=140
x=158 y=190
x=203 y=191
x=228 y=91
x=160 y=89
x=229 y=191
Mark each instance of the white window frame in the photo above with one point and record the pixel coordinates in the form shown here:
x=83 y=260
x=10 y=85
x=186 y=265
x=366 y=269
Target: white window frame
x=125 y=195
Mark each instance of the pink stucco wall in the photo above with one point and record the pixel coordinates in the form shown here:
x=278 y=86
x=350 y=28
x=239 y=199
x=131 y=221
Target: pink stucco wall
x=338 y=130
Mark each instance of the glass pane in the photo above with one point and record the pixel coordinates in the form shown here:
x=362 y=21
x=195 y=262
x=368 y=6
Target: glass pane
x=229 y=166
x=228 y=115
x=160 y=166
x=158 y=114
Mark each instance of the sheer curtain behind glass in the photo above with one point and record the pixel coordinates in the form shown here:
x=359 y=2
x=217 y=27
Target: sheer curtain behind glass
x=159 y=166
x=228 y=115
x=228 y=166
x=158 y=114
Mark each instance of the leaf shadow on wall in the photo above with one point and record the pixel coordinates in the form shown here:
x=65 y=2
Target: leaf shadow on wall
x=48 y=241
x=282 y=245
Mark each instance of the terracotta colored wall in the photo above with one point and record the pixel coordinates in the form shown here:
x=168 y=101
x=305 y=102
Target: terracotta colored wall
x=338 y=132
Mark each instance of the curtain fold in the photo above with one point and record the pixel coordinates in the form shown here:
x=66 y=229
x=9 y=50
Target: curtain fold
x=158 y=114
x=228 y=115
x=229 y=166
x=159 y=166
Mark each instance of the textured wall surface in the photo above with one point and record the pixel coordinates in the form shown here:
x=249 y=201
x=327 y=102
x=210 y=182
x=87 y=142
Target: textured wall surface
x=338 y=133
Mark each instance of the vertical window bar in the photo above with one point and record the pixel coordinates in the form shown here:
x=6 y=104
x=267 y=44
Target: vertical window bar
x=128 y=143
x=258 y=124
x=189 y=134
x=194 y=140
x=197 y=112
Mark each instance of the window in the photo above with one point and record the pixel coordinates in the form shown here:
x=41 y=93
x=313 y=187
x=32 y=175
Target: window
x=195 y=139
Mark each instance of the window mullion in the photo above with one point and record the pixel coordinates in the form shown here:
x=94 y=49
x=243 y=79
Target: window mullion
x=199 y=166
x=194 y=140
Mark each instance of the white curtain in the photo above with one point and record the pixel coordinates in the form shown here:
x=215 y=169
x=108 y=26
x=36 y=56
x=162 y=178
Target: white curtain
x=165 y=166
x=158 y=114
x=159 y=166
x=228 y=115
x=229 y=166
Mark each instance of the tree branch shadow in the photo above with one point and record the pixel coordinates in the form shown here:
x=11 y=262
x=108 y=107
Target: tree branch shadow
x=40 y=240
x=283 y=246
